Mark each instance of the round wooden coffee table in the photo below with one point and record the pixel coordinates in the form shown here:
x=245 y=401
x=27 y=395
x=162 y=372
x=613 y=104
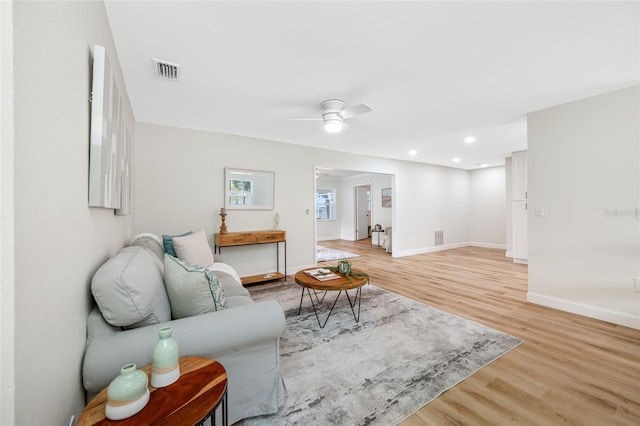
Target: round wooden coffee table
x=341 y=284
x=195 y=397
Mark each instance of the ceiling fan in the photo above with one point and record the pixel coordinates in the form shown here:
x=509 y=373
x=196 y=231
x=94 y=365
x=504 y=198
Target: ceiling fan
x=334 y=114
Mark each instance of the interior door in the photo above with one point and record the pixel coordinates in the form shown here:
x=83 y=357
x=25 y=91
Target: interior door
x=363 y=213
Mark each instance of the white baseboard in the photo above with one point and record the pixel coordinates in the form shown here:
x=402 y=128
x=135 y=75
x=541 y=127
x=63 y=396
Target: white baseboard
x=423 y=250
x=328 y=238
x=584 y=310
x=292 y=270
x=488 y=245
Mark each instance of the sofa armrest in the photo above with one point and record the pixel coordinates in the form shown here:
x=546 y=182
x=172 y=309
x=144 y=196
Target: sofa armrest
x=223 y=267
x=212 y=335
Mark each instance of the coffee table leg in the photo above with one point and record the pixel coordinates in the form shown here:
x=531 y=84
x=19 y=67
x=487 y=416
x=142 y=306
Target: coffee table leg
x=315 y=311
x=358 y=298
x=301 y=297
x=317 y=298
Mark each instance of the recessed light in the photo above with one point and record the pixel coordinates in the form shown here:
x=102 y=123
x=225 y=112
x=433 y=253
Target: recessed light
x=483 y=165
x=469 y=139
x=456 y=160
x=413 y=152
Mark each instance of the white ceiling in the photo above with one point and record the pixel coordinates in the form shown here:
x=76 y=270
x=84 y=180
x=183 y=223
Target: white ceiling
x=433 y=72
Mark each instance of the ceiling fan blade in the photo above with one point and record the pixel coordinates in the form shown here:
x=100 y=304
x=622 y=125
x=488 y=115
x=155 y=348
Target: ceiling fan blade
x=356 y=110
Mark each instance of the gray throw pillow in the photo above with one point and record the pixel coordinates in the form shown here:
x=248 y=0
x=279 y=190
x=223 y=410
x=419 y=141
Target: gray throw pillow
x=192 y=289
x=129 y=289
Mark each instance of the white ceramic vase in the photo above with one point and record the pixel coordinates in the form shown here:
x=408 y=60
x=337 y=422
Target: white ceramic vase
x=166 y=360
x=127 y=394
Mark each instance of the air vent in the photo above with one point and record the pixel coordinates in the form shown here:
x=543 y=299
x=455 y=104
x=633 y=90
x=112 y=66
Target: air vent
x=439 y=238
x=166 y=70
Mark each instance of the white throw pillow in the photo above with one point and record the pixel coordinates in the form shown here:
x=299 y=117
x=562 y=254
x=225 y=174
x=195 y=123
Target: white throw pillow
x=194 y=249
x=192 y=290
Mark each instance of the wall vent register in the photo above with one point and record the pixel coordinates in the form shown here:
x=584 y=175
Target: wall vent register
x=165 y=70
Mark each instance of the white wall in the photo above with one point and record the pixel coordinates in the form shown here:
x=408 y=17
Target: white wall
x=59 y=240
x=508 y=210
x=7 y=219
x=428 y=199
x=344 y=225
x=487 y=207
x=379 y=214
x=584 y=170
x=179 y=183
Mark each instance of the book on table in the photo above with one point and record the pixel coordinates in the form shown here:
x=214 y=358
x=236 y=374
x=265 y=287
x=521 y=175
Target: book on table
x=322 y=274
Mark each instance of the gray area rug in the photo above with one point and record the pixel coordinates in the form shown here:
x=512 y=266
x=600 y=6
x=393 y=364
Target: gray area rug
x=400 y=356
x=324 y=253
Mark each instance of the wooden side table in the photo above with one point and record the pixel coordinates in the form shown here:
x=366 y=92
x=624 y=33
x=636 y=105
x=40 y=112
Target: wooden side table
x=194 y=398
x=234 y=239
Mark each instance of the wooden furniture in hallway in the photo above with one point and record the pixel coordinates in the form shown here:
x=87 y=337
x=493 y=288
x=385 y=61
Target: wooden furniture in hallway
x=232 y=239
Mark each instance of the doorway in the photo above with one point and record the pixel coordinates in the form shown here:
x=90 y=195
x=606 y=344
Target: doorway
x=362 y=211
x=344 y=224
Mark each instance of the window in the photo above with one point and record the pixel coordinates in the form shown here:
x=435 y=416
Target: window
x=325 y=204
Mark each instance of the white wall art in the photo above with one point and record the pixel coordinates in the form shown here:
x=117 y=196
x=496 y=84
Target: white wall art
x=110 y=150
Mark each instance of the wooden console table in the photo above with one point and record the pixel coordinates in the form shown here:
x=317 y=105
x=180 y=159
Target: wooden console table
x=194 y=398
x=232 y=239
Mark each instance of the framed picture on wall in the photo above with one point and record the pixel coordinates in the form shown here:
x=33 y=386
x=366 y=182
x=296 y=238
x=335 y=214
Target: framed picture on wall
x=386 y=197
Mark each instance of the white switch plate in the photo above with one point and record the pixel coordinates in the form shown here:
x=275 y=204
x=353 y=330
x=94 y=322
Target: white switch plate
x=539 y=211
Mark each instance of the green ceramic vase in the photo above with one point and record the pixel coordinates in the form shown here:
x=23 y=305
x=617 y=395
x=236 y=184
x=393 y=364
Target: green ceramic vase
x=166 y=360
x=127 y=394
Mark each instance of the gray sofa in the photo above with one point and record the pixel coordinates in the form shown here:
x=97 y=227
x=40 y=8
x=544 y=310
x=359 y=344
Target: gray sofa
x=132 y=304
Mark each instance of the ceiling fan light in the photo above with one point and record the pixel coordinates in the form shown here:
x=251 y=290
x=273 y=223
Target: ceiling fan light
x=333 y=125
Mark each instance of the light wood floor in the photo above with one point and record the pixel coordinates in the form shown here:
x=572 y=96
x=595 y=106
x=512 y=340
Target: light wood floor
x=570 y=369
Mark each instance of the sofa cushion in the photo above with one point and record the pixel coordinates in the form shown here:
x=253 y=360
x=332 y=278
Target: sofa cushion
x=129 y=289
x=219 y=267
x=235 y=301
x=230 y=286
x=167 y=242
x=151 y=242
x=192 y=289
x=234 y=293
x=193 y=249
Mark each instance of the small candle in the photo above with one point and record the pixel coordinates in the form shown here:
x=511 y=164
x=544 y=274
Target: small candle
x=223 y=211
